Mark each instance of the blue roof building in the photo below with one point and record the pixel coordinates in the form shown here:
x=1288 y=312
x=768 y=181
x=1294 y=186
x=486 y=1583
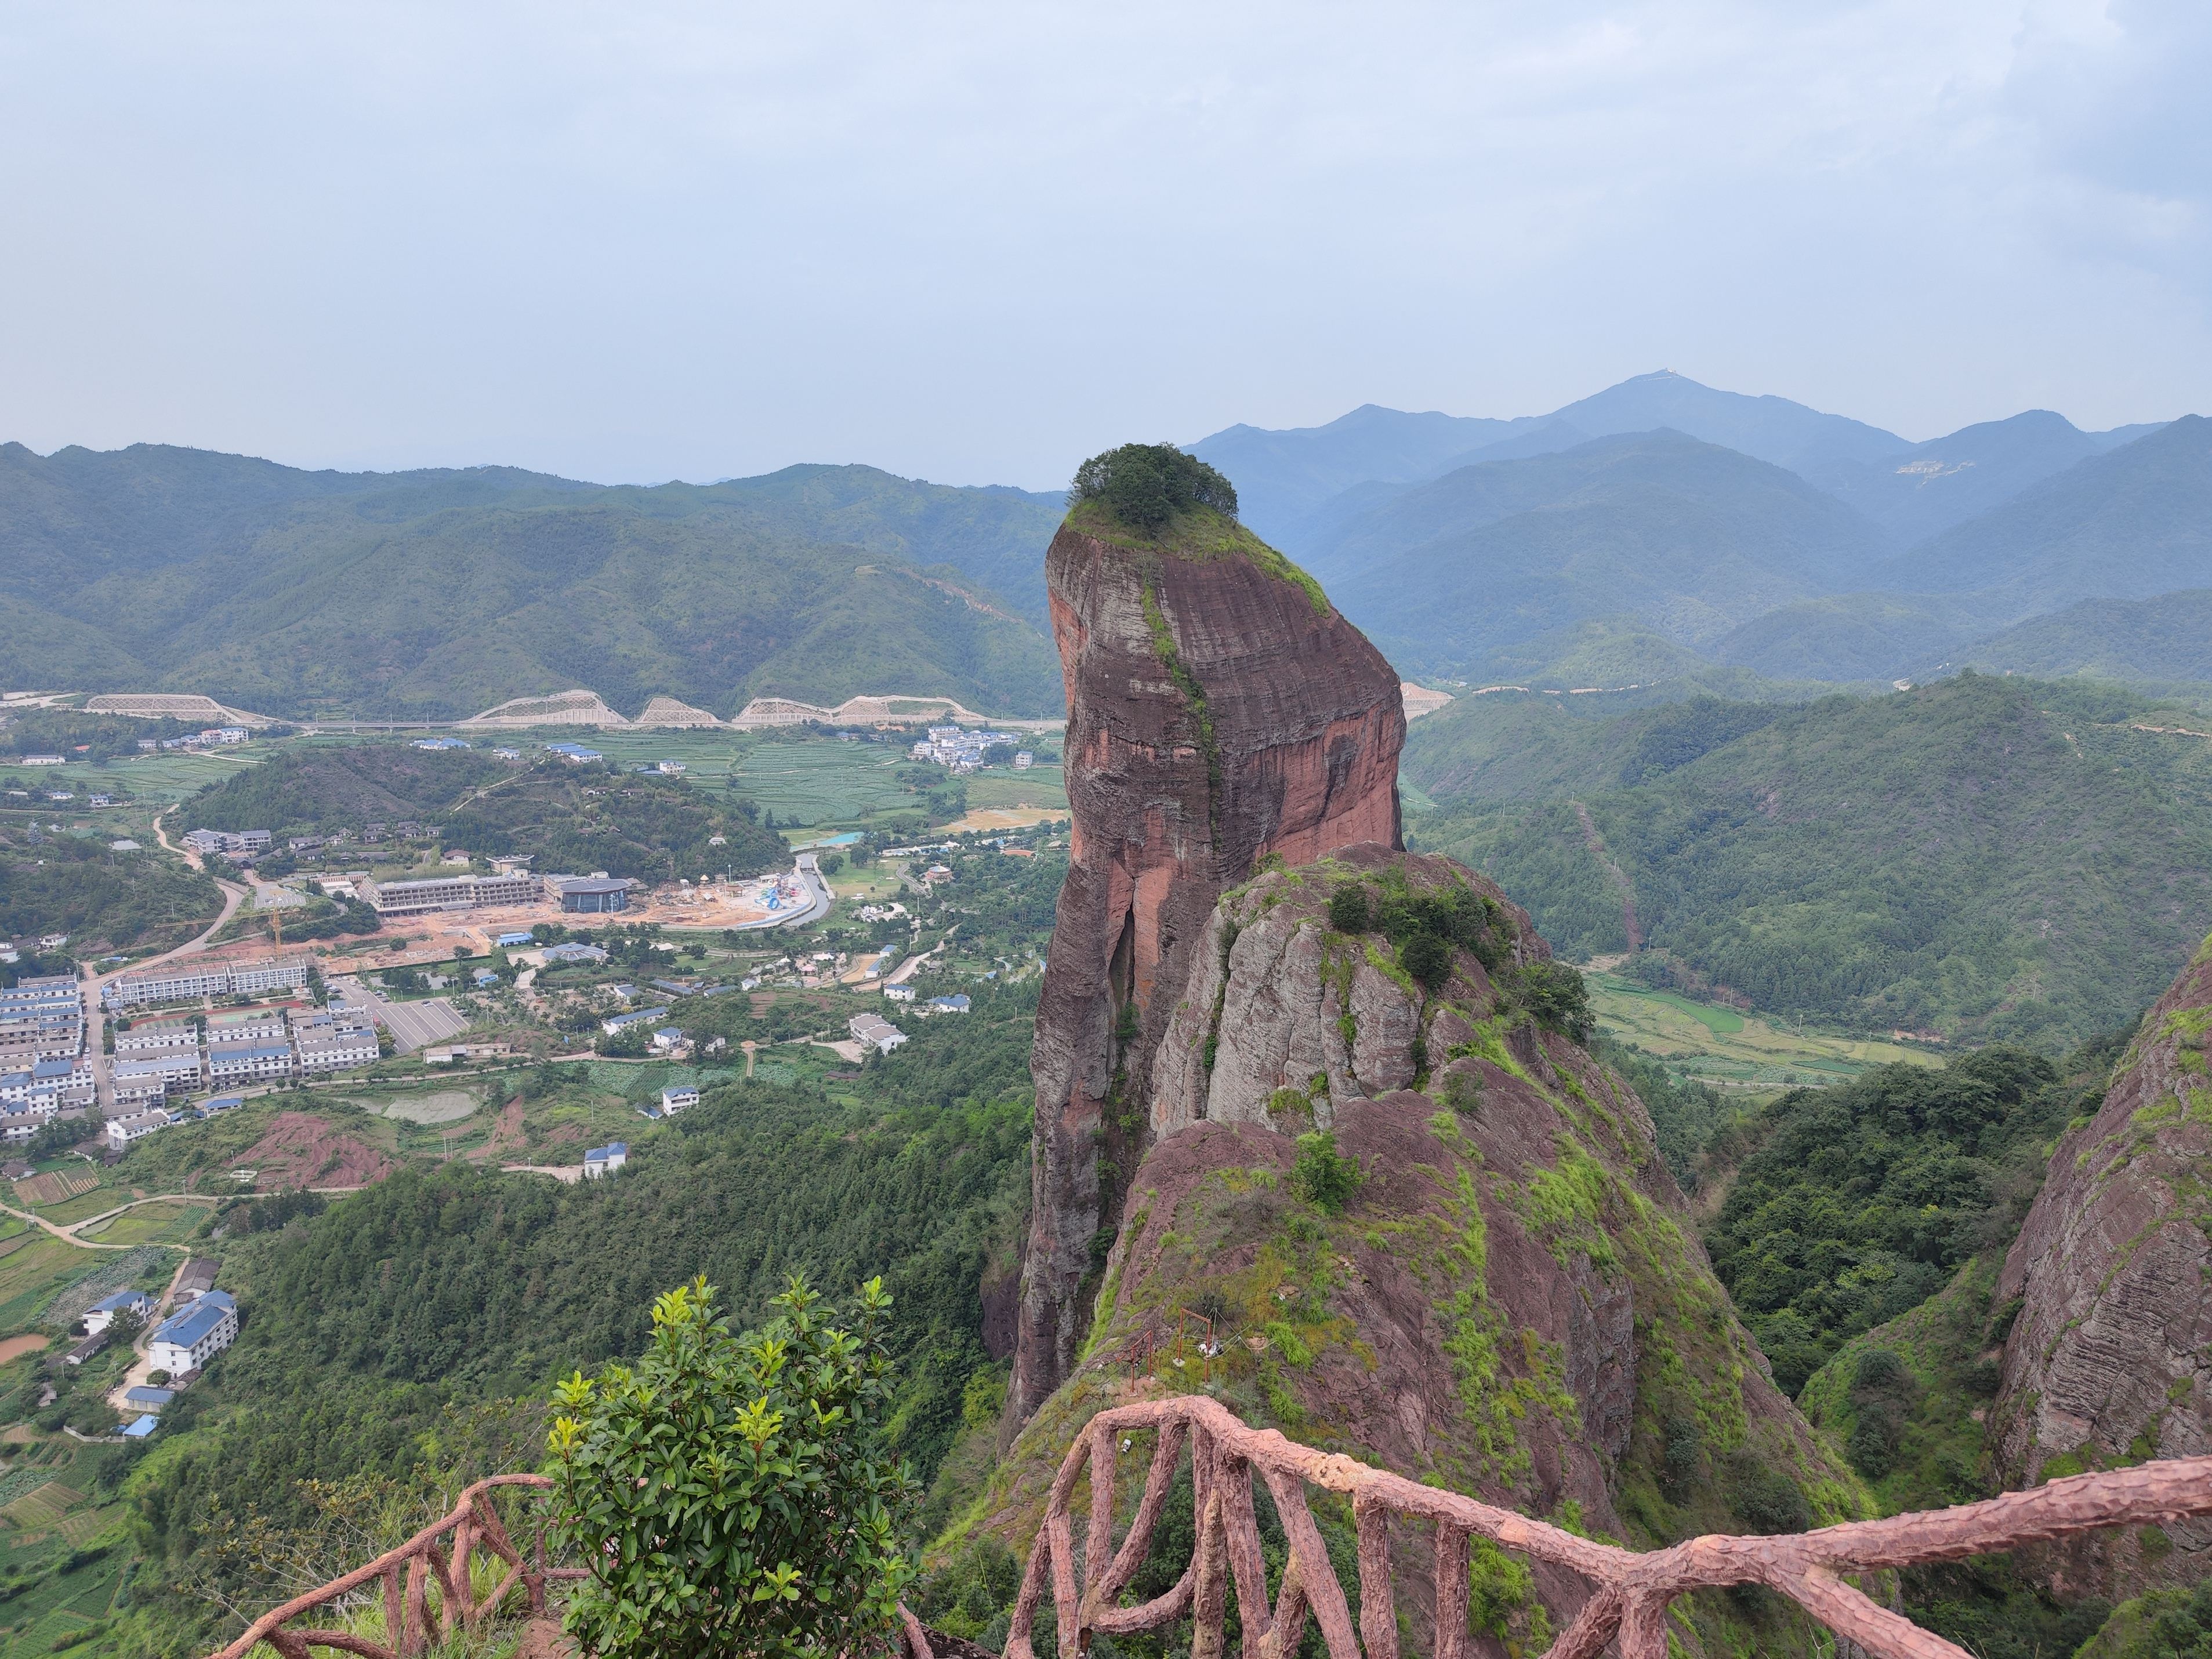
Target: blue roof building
x=605 y=1160
x=148 y=1398
x=523 y=937
x=188 y=1340
x=144 y=1426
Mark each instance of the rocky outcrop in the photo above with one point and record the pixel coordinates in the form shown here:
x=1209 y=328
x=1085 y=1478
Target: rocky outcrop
x=1513 y=1302
x=2109 y=1360
x=1219 y=710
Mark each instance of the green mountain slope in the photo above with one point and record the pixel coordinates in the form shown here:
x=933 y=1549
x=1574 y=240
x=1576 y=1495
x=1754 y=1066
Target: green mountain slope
x=1848 y=637
x=2126 y=525
x=1981 y=857
x=1692 y=539
x=2162 y=640
x=432 y=595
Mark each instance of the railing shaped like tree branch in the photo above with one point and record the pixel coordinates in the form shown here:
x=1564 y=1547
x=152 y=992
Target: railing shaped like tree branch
x=1632 y=1590
x=421 y=1569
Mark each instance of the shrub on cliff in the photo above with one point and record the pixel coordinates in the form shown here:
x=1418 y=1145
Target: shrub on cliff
x=1145 y=486
x=733 y=1494
x=1323 y=1176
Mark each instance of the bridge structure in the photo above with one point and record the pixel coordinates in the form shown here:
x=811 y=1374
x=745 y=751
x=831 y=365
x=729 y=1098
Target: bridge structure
x=426 y=1584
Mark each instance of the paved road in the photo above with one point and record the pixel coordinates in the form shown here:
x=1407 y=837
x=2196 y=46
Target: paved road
x=413 y=1025
x=96 y=1016
x=820 y=898
x=67 y=1232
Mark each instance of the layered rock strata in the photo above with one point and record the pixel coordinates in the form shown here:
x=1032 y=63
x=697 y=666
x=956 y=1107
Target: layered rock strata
x=2109 y=1359
x=1511 y=1300
x=1219 y=710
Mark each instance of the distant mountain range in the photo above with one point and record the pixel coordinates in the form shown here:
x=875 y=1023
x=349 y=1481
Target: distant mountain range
x=1660 y=535
x=434 y=594
x=1758 y=534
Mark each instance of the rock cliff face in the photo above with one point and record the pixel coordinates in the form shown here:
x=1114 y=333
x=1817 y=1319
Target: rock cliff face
x=2110 y=1358
x=1513 y=1302
x=1219 y=710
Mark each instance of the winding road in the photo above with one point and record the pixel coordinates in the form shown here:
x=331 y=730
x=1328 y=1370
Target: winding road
x=95 y=1018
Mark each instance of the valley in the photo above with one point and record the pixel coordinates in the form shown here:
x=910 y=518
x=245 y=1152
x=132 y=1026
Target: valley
x=1863 y=941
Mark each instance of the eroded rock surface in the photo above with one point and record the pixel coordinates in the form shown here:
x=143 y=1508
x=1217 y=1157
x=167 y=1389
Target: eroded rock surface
x=1513 y=1302
x=2110 y=1358
x=1219 y=710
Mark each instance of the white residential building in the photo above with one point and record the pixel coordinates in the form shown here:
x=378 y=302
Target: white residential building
x=157 y=1034
x=605 y=1160
x=186 y=981
x=328 y=1042
x=876 y=1032
x=104 y=1313
x=185 y=1342
x=122 y=1131
x=260 y=1052
x=673 y=1101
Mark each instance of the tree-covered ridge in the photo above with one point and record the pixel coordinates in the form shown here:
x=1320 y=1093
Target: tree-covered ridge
x=432 y=595
x=102 y=899
x=1860 y=1202
x=565 y=818
x=1986 y=857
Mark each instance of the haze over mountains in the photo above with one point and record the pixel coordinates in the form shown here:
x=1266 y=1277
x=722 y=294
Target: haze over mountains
x=1659 y=534
x=431 y=595
x=1753 y=531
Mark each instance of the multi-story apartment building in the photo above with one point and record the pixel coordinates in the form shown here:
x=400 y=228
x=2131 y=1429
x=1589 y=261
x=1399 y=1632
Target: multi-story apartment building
x=187 y=981
x=334 y=1043
x=415 y=898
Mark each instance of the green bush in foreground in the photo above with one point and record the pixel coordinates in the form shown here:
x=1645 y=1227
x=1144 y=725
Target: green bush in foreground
x=1323 y=1176
x=733 y=1494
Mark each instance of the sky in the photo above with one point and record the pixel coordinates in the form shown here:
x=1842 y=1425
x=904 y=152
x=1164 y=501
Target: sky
x=976 y=243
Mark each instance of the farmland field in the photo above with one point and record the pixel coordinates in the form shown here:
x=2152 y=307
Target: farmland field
x=149 y=1223
x=30 y=1277
x=1729 y=1049
x=1041 y=786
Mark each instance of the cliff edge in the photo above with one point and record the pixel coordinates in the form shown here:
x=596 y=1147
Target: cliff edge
x=2109 y=1360
x=1219 y=710
x=1396 y=1209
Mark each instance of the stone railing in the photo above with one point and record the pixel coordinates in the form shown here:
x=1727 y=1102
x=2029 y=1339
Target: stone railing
x=412 y=1573
x=1632 y=1591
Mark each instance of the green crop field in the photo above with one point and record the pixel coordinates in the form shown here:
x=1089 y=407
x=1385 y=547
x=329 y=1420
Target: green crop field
x=30 y=1277
x=1729 y=1049
x=1041 y=786
x=820 y=784
x=151 y=1224
x=154 y=778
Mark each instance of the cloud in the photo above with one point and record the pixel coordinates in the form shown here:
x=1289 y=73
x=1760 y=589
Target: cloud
x=975 y=242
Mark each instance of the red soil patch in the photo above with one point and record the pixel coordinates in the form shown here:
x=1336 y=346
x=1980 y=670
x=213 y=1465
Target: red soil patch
x=302 y=1151
x=506 y=1134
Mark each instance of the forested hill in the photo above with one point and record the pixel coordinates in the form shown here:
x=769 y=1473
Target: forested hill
x=1981 y=857
x=565 y=818
x=382 y=1337
x=435 y=594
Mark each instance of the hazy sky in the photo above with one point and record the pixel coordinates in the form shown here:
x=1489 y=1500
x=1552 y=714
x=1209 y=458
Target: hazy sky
x=973 y=243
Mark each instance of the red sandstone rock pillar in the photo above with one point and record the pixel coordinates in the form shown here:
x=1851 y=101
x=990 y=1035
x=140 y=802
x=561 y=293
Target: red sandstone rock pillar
x=1218 y=709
